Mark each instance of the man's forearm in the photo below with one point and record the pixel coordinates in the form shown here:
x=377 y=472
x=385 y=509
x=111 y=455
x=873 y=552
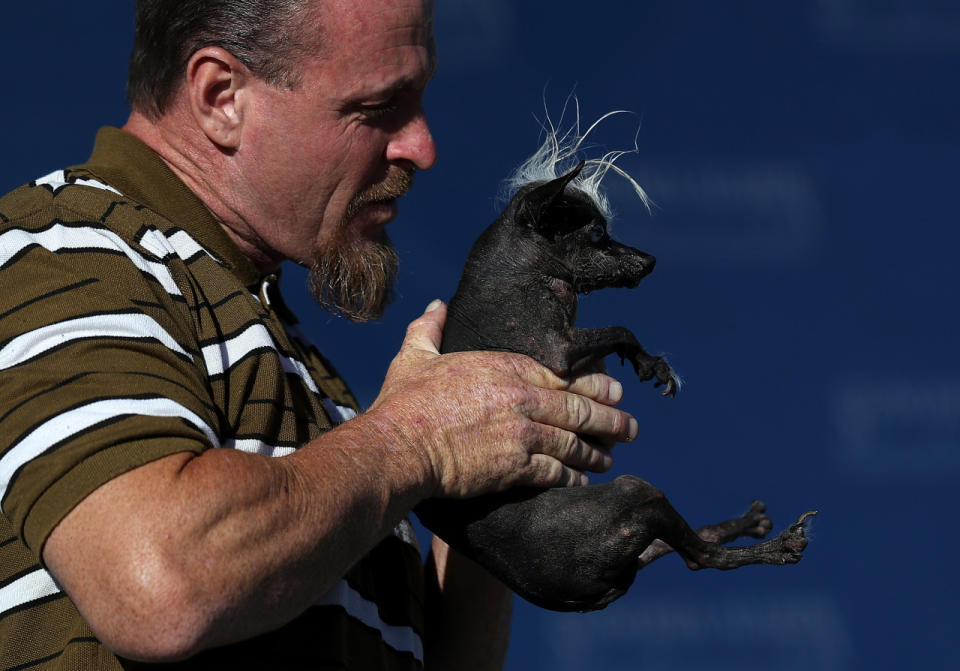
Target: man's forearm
x=209 y=549
x=468 y=614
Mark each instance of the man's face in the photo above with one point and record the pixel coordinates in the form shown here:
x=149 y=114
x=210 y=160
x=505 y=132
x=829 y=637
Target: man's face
x=323 y=164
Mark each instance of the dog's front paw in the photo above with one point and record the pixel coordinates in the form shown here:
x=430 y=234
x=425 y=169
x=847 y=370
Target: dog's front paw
x=647 y=367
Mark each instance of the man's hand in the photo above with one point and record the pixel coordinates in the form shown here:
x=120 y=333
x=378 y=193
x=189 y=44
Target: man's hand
x=488 y=421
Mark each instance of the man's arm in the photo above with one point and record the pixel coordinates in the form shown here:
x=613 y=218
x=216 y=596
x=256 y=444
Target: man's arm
x=468 y=614
x=194 y=551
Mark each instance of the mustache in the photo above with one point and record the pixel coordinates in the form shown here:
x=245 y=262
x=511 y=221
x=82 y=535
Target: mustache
x=395 y=184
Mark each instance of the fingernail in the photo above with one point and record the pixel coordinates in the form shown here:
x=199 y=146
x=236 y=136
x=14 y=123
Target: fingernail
x=633 y=429
x=616 y=391
x=434 y=304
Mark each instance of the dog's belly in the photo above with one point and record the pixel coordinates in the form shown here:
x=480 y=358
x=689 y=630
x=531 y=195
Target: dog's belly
x=572 y=548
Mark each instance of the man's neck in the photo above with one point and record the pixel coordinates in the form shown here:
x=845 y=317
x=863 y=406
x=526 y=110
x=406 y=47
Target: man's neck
x=198 y=163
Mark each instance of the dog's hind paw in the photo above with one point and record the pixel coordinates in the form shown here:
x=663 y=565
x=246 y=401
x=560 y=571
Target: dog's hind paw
x=799 y=528
x=755 y=523
x=787 y=548
x=794 y=541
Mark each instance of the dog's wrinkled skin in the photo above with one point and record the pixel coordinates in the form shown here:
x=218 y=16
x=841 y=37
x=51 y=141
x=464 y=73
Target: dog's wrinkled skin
x=575 y=548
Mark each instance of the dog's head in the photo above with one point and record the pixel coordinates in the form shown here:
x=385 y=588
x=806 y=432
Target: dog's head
x=569 y=228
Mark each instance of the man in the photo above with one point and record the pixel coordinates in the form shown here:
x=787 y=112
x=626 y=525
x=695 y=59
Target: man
x=141 y=328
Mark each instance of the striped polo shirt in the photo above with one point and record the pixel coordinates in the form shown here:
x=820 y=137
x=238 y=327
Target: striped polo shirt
x=132 y=328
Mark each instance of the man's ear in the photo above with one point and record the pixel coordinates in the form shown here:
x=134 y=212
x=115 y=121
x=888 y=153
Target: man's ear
x=537 y=202
x=214 y=79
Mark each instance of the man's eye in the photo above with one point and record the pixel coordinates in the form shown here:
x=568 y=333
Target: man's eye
x=379 y=110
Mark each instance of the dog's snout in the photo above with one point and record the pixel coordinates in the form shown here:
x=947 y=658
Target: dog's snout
x=645 y=261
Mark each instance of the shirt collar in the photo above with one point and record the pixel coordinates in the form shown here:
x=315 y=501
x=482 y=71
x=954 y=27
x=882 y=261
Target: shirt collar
x=124 y=162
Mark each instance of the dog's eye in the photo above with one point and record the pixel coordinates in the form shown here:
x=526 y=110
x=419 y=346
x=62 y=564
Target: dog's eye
x=597 y=232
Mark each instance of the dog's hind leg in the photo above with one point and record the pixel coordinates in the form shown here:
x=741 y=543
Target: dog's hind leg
x=753 y=523
x=667 y=525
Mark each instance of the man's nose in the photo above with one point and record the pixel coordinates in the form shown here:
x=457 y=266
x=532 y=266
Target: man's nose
x=414 y=143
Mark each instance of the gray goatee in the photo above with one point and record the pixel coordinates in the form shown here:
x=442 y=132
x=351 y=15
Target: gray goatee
x=354 y=277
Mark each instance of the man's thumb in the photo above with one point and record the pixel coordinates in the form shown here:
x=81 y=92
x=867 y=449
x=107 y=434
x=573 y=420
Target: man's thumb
x=426 y=332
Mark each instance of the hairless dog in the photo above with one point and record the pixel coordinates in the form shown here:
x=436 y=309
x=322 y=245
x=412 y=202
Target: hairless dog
x=572 y=548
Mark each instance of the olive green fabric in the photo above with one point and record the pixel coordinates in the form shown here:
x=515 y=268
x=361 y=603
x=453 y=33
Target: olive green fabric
x=132 y=328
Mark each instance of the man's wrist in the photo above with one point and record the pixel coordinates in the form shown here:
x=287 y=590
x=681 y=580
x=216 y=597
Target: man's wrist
x=403 y=465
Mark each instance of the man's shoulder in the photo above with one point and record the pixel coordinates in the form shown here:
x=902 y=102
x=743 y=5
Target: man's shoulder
x=71 y=209
x=69 y=196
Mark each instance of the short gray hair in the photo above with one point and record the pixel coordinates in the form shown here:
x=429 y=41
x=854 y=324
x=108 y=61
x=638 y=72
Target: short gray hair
x=267 y=36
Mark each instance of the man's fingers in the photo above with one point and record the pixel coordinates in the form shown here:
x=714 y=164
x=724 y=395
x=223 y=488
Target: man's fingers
x=579 y=414
x=598 y=386
x=581 y=454
x=574 y=451
x=548 y=472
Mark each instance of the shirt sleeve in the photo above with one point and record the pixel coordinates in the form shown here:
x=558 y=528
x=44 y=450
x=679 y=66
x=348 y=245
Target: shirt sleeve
x=100 y=368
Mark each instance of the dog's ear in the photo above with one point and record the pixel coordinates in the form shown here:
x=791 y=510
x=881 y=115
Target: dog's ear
x=538 y=201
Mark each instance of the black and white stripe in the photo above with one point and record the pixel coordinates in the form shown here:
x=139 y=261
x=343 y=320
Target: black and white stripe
x=179 y=244
x=62 y=427
x=403 y=639
x=110 y=325
x=221 y=356
x=88 y=237
x=57 y=179
x=257 y=446
x=33 y=586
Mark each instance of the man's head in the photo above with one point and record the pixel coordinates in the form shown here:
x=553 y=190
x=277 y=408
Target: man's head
x=298 y=122
x=264 y=35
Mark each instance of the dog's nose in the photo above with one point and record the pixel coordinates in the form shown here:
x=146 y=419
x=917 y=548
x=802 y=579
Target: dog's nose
x=649 y=261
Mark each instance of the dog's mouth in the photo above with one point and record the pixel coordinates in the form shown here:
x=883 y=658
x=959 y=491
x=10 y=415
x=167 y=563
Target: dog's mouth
x=622 y=271
x=645 y=264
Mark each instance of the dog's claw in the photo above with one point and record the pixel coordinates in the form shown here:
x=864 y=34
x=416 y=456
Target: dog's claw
x=794 y=539
x=799 y=525
x=671 y=388
x=647 y=367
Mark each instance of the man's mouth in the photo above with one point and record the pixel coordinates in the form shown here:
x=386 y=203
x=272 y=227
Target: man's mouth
x=380 y=200
x=382 y=209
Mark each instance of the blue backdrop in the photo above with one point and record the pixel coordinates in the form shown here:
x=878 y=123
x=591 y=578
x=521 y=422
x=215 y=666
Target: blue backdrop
x=803 y=158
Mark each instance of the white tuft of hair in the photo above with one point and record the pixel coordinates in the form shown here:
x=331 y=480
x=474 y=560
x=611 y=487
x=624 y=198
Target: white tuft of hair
x=562 y=150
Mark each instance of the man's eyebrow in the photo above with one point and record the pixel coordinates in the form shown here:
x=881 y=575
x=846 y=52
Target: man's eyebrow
x=397 y=86
x=410 y=81
x=420 y=78
x=402 y=84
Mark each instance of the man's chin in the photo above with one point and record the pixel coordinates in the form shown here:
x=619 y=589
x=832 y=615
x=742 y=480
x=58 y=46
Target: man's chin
x=355 y=278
